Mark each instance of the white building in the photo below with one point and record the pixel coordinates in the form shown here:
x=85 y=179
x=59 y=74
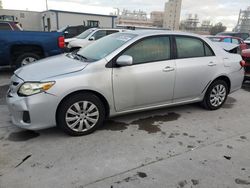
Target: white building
x=157 y=18
x=172 y=14
x=133 y=19
x=55 y=19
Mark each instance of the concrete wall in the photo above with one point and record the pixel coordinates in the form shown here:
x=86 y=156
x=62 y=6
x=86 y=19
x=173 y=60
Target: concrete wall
x=28 y=19
x=78 y=19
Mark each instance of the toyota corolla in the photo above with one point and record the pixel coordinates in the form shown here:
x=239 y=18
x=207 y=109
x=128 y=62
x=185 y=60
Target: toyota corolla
x=119 y=74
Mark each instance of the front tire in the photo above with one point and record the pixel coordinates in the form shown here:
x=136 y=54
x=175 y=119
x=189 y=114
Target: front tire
x=80 y=114
x=216 y=95
x=26 y=58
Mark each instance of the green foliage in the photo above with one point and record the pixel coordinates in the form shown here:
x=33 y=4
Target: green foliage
x=217 y=28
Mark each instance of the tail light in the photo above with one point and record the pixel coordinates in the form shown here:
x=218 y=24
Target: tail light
x=61 y=43
x=242 y=63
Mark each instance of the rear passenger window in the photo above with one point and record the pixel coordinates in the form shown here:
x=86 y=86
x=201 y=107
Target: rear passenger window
x=150 y=50
x=208 y=51
x=188 y=47
x=227 y=40
x=235 y=41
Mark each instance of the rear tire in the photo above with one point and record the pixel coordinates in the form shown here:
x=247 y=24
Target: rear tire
x=216 y=95
x=80 y=114
x=26 y=58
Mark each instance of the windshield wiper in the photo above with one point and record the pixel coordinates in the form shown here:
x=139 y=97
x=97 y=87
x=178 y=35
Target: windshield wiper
x=74 y=55
x=81 y=56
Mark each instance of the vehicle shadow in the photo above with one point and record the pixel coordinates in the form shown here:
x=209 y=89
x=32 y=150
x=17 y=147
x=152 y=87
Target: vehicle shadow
x=246 y=86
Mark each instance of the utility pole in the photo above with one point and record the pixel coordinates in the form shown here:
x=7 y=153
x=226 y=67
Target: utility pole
x=47 y=8
x=1 y=6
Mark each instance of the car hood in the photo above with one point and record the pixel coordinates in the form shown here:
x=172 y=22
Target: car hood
x=49 y=67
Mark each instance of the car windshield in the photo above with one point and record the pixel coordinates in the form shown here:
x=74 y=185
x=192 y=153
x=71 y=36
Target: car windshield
x=85 y=34
x=105 y=46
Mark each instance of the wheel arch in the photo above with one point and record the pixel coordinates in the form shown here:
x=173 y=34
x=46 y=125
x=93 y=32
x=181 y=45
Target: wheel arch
x=19 y=49
x=99 y=95
x=226 y=79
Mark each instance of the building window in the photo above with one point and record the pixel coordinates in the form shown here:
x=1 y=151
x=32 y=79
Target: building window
x=93 y=23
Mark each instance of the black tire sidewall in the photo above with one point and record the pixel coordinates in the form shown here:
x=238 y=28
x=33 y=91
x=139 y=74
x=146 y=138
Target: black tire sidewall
x=206 y=103
x=68 y=102
x=21 y=57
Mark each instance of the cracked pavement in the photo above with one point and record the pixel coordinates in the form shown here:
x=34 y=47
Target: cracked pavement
x=184 y=146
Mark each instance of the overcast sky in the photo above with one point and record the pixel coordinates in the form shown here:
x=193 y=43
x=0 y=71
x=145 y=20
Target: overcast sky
x=225 y=11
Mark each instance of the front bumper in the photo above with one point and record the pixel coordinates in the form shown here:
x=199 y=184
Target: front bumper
x=34 y=112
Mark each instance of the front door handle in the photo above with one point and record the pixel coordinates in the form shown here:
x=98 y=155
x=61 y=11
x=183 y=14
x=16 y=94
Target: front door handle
x=168 y=69
x=211 y=64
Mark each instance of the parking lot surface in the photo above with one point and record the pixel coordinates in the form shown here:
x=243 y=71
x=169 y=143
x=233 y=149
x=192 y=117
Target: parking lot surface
x=184 y=146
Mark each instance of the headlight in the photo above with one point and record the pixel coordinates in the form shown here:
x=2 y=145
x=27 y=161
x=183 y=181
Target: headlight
x=31 y=88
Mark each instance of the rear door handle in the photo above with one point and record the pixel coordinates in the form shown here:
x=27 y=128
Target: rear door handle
x=168 y=69
x=211 y=64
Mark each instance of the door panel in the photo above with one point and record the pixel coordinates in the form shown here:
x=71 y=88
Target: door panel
x=192 y=76
x=196 y=65
x=143 y=85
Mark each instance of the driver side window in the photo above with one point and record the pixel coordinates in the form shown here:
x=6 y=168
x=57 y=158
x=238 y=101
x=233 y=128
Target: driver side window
x=150 y=50
x=99 y=34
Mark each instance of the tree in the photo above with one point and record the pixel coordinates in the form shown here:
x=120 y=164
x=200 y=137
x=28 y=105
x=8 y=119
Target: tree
x=217 y=28
x=1 y=6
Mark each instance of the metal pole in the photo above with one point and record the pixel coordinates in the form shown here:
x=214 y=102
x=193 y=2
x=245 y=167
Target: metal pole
x=47 y=5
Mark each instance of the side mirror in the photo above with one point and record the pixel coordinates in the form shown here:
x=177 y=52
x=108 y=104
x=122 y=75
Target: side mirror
x=124 y=60
x=92 y=38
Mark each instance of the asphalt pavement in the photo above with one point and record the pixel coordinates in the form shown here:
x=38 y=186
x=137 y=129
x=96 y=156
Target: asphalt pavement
x=184 y=146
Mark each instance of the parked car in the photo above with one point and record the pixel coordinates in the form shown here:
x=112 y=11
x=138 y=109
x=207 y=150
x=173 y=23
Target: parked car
x=10 y=26
x=89 y=36
x=72 y=31
x=18 y=48
x=229 y=39
x=247 y=41
x=235 y=34
x=119 y=74
x=246 y=56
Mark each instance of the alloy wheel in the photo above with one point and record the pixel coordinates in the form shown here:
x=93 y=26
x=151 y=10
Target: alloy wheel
x=82 y=116
x=28 y=60
x=218 y=95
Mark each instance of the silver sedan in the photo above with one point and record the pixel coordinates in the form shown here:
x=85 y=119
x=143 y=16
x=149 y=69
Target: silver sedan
x=119 y=74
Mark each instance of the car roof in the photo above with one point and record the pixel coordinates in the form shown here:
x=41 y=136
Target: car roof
x=225 y=36
x=160 y=32
x=114 y=29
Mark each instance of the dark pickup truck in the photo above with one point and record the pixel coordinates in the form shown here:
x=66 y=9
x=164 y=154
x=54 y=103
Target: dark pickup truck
x=18 y=48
